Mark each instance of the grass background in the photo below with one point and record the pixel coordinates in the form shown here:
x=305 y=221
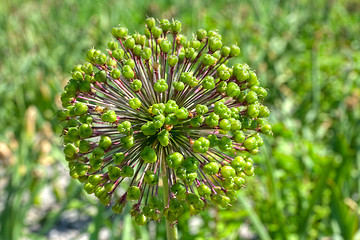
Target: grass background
x=307 y=53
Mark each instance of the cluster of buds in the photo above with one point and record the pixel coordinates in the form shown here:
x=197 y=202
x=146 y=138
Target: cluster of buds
x=166 y=119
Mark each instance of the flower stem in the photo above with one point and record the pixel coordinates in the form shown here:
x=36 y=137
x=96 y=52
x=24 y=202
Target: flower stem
x=171 y=230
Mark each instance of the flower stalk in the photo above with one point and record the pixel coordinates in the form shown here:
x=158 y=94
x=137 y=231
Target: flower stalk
x=171 y=229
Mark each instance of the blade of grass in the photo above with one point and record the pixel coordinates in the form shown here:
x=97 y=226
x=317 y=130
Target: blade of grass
x=315 y=197
x=254 y=218
x=98 y=222
x=344 y=216
x=275 y=192
x=127 y=228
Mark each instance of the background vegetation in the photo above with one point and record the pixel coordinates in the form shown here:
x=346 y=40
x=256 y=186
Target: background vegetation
x=306 y=52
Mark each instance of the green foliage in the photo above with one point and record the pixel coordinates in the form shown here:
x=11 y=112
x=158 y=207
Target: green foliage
x=306 y=52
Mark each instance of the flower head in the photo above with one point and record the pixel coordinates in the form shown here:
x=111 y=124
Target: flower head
x=161 y=113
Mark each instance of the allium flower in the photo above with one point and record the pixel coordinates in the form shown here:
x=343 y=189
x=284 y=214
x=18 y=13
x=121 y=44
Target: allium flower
x=166 y=119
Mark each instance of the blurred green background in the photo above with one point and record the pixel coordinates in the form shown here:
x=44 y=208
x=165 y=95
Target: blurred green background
x=306 y=52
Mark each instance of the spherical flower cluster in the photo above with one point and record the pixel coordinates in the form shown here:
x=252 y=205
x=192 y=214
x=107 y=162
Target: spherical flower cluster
x=166 y=119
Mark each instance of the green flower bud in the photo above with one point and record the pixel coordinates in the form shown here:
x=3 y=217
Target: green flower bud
x=130 y=63
x=172 y=60
x=109 y=116
x=115 y=73
x=136 y=85
x=77 y=75
x=70 y=150
x=182 y=113
x=232 y=90
x=212 y=120
x=84 y=146
x=113 y=45
x=159 y=121
x=225 y=144
x=204 y=190
x=259 y=140
x=161 y=86
x=165 y=46
x=118 y=54
x=211 y=168
x=114 y=173
x=175 y=27
x=89 y=188
x=156 y=32
x=148 y=154
x=165 y=25
x=197 y=121
x=171 y=106
x=250 y=143
x=151 y=178
x=225 y=51
x=124 y=127
x=238 y=162
x=174 y=160
x=253 y=110
x=266 y=129
x=135 y=103
x=171 y=119
x=85 y=131
x=100 y=76
x=225 y=125
x=213 y=140
x=227 y=171
x=118 y=158
x=222 y=87
x=178 y=189
x=118 y=207
x=163 y=137
x=105 y=142
x=127 y=72
x=195 y=44
x=87 y=68
x=119 y=32
x=80 y=108
x=201 y=145
x=140 y=39
x=234 y=51
x=133 y=193
x=150 y=22
x=127 y=171
x=201 y=109
x=146 y=53
x=251 y=97
x=263 y=111
x=235 y=124
x=137 y=50
x=85 y=85
x=208 y=83
x=214 y=44
x=209 y=60
x=252 y=79
x=90 y=54
x=129 y=43
x=148 y=129
x=127 y=141
x=101 y=59
x=157 y=109
x=213 y=33
x=241 y=72
x=189 y=52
